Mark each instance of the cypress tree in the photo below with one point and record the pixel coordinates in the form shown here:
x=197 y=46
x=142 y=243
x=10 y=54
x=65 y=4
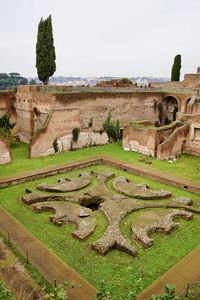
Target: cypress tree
x=175 y=74
x=45 y=51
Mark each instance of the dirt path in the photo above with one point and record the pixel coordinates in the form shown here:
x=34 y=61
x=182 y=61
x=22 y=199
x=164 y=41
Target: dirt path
x=187 y=270
x=48 y=264
x=16 y=277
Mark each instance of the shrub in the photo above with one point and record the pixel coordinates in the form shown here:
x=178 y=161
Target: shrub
x=5 y=123
x=75 y=134
x=5 y=129
x=169 y=293
x=55 y=145
x=58 y=293
x=112 y=128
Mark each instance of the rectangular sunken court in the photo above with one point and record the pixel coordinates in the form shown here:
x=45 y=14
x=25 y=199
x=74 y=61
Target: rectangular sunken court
x=107 y=222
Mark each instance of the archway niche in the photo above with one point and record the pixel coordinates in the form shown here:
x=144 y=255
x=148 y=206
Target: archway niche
x=170 y=108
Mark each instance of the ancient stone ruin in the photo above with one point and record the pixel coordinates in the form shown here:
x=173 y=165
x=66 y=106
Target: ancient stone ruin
x=78 y=208
x=165 y=118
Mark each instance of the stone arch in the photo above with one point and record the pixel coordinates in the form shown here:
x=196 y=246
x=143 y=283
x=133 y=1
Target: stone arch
x=170 y=107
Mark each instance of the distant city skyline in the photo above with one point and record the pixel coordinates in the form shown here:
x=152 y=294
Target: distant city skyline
x=103 y=38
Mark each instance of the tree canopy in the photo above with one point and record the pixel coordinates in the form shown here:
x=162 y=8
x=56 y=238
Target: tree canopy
x=11 y=80
x=45 y=50
x=175 y=73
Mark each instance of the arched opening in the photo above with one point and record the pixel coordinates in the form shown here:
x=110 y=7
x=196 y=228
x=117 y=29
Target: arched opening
x=169 y=110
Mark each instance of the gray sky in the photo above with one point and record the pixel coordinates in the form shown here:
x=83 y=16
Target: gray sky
x=103 y=37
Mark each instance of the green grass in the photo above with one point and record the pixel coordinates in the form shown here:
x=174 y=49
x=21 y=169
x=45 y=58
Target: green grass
x=119 y=270
x=185 y=167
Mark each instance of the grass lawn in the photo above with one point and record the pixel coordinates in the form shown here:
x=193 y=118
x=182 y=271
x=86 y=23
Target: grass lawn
x=185 y=167
x=119 y=270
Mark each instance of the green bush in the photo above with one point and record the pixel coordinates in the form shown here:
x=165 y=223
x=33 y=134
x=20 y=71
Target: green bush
x=5 y=129
x=58 y=293
x=112 y=128
x=5 y=123
x=169 y=293
x=75 y=134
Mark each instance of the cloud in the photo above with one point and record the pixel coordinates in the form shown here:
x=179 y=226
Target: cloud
x=95 y=37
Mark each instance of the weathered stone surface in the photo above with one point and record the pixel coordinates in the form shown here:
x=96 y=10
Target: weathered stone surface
x=35 y=197
x=69 y=212
x=164 y=224
x=139 y=191
x=115 y=211
x=99 y=193
x=67 y=184
x=183 y=200
x=87 y=139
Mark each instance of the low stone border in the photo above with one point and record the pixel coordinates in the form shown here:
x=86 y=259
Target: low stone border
x=48 y=172
x=155 y=175
x=137 y=170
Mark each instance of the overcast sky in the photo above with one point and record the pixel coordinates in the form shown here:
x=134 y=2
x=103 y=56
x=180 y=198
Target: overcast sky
x=103 y=37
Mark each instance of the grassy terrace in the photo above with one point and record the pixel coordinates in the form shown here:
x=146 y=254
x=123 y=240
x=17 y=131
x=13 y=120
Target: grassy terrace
x=120 y=271
x=185 y=166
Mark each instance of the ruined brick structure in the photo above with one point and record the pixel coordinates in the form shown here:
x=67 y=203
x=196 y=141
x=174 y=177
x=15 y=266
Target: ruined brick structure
x=47 y=115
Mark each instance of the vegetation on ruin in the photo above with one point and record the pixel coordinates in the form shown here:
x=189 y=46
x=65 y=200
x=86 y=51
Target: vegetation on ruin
x=176 y=68
x=45 y=51
x=121 y=272
x=112 y=128
x=5 y=129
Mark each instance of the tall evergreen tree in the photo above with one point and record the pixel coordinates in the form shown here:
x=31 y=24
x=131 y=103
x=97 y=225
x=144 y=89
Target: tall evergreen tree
x=175 y=74
x=45 y=51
